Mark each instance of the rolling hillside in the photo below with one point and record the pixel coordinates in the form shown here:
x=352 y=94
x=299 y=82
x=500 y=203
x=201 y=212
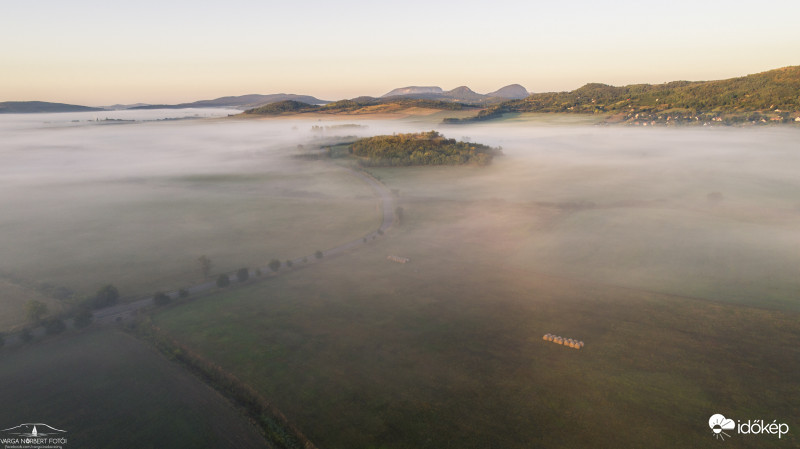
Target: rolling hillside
x=33 y=107
x=776 y=92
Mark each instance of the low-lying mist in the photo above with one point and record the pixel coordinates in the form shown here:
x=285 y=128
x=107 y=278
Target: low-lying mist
x=709 y=213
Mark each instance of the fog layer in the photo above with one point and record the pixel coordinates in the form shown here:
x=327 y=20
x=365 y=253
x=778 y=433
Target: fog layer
x=709 y=213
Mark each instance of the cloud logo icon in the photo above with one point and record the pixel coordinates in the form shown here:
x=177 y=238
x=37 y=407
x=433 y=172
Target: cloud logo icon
x=718 y=424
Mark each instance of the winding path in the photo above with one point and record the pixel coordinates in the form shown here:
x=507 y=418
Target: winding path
x=110 y=314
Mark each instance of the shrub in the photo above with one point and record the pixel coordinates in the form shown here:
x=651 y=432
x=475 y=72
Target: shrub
x=83 y=318
x=183 y=293
x=161 y=299
x=274 y=264
x=35 y=310
x=54 y=326
x=243 y=274
x=318 y=254
x=106 y=296
x=223 y=281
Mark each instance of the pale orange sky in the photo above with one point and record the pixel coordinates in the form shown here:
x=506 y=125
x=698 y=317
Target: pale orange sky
x=99 y=53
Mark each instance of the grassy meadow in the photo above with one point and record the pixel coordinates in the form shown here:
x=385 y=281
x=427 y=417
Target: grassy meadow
x=447 y=351
x=137 y=205
x=672 y=253
x=687 y=305
x=110 y=390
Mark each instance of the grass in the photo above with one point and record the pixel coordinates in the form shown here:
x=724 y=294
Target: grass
x=15 y=297
x=446 y=351
x=686 y=309
x=108 y=390
x=146 y=236
x=622 y=218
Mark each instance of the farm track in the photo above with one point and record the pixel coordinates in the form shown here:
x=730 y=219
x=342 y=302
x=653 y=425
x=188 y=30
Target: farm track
x=119 y=312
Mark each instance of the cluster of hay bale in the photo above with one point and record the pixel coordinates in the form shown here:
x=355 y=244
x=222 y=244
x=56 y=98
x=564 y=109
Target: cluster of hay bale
x=563 y=341
x=398 y=259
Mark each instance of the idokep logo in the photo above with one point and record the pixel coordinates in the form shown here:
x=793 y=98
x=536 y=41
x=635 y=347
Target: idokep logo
x=719 y=424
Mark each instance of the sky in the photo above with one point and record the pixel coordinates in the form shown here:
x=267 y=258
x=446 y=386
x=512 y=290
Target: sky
x=169 y=51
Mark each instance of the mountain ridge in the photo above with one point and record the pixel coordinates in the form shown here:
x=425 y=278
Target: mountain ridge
x=40 y=107
x=239 y=102
x=460 y=94
x=774 y=92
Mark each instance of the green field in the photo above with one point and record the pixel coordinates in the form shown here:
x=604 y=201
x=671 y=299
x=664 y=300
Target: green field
x=14 y=299
x=687 y=307
x=146 y=235
x=672 y=254
x=627 y=211
x=109 y=390
x=446 y=351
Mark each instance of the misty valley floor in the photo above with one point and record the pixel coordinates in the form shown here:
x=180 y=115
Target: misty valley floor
x=672 y=254
x=446 y=351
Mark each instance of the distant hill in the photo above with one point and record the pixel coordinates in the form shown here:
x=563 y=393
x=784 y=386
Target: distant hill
x=460 y=94
x=32 y=107
x=427 y=148
x=117 y=107
x=776 y=92
x=512 y=92
x=414 y=90
x=240 y=102
x=282 y=107
x=360 y=104
x=464 y=93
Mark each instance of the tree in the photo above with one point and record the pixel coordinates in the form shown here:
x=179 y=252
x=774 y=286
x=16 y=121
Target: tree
x=2 y=339
x=83 y=318
x=289 y=263
x=243 y=274
x=35 y=310
x=26 y=335
x=223 y=281
x=106 y=296
x=183 y=293
x=54 y=326
x=258 y=272
x=318 y=254
x=205 y=266
x=274 y=264
x=161 y=299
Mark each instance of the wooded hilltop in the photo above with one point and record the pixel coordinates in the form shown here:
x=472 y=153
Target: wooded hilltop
x=772 y=96
x=427 y=148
